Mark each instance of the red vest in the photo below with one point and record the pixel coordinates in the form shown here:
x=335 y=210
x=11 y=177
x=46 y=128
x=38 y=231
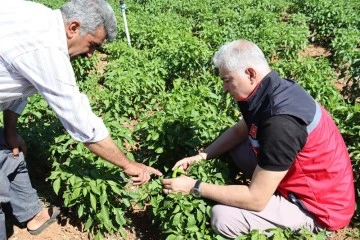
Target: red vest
x=322 y=177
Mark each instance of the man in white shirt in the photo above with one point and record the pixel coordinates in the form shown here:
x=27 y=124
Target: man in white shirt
x=36 y=46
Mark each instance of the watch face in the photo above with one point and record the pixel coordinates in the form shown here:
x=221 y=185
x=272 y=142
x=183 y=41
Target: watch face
x=195 y=192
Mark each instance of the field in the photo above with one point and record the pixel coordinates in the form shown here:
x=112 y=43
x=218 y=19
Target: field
x=162 y=100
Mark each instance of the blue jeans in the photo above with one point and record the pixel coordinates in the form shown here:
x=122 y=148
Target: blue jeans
x=15 y=187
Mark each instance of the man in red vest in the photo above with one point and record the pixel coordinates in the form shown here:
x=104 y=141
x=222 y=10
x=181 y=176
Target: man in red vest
x=286 y=142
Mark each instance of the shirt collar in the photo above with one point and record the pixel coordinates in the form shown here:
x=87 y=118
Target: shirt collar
x=264 y=88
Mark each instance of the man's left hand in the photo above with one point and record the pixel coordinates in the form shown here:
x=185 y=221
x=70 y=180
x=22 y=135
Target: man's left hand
x=181 y=184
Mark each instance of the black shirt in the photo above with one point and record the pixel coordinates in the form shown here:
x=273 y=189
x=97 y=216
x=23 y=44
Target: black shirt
x=281 y=138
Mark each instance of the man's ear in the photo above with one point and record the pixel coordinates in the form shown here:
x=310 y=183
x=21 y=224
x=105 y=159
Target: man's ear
x=251 y=72
x=72 y=29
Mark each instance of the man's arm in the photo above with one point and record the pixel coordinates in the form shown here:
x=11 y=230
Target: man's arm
x=107 y=150
x=14 y=141
x=281 y=138
x=231 y=138
x=253 y=197
x=10 y=122
x=228 y=140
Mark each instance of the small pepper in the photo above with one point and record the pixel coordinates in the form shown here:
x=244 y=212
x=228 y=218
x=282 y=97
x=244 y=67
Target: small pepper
x=178 y=171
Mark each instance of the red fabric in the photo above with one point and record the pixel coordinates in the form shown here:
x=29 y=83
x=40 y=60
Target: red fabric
x=322 y=177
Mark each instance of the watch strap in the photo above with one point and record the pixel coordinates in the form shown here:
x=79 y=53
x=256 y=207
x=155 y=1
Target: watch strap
x=197 y=184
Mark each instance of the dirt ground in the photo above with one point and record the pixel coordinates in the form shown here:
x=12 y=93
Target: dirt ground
x=68 y=228
x=65 y=230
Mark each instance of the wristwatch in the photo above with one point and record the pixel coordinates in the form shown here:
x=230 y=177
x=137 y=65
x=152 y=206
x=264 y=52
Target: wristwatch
x=195 y=191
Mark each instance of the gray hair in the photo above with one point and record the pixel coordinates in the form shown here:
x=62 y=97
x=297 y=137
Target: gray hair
x=92 y=14
x=236 y=56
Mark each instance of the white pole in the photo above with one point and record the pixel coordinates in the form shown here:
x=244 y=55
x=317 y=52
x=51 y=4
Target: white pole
x=123 y=8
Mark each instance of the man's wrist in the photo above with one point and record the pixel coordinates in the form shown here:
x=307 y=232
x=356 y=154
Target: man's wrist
x=196 y=191
x=203 y=155
x=126 y=165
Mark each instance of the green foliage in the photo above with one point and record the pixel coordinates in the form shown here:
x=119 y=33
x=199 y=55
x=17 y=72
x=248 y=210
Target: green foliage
x=187 y=217
x=283 y=234
x=162 y=101
x=346 y=49
x=83 y=66
x=327 y=16
x=336 y=25
x=96 y=190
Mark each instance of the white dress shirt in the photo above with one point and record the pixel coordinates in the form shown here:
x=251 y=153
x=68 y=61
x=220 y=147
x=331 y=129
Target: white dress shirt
x=34 y=58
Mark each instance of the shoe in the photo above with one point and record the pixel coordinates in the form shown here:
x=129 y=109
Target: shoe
x=52 y=219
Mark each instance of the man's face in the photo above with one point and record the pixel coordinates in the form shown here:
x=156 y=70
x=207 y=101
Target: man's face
x=238 y=85
x=84 y=46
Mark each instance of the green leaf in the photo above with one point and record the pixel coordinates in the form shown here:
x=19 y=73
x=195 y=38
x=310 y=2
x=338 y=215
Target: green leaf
x=199 y=216
x=84 y=192
x=176 y=219
x=192 y=228
x=105 y=214
x=103 y=198
x=88 y=223
x=171 y=237
x=191 y=221
x=94 y=188
x=177 y=209
x=75 y=193
x=93 y=201
x=155 y=136
x=54 y=175
x=115 y=189
x=80 y=210
x=126 y=202
x=159 y=150
x=119 y=217
x=56 y=185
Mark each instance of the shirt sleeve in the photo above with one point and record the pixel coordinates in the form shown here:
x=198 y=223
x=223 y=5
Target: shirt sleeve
x=17 y=106
x=281 y=138
x=50 y=72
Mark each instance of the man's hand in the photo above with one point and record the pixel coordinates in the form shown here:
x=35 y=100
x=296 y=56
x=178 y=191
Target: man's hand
x=140 y=173
x=16 y=143
x=186 y=162
x=107 y=150
x=181 y=184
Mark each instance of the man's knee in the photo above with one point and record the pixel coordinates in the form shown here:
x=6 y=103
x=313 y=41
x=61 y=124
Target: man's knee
x=226 y=222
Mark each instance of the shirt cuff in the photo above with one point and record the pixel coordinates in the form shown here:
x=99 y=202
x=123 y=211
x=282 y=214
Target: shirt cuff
x=17 y=106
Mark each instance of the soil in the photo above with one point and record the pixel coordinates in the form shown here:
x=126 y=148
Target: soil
x=315 y=51
x=56 y=231
x=69 y=228
x=66 y=229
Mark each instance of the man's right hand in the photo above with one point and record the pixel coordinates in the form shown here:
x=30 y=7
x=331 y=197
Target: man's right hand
x=16 y=143
x=140 y=173
x=186 y=162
